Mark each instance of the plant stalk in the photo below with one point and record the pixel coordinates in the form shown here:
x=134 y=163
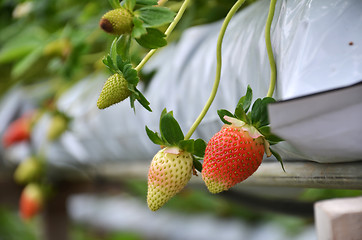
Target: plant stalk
x=273 y=70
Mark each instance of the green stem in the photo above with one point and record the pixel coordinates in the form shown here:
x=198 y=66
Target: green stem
x=273 y=70
x=167 y=33
x=231 y=13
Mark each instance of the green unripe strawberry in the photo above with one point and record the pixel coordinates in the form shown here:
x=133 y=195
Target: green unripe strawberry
x=114 y=91
x=170 y=171
x=58 y=125
x=28 y=170
x=117 y=22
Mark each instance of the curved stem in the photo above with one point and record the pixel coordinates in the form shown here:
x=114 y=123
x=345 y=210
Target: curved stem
x=231 y=13
x=273 y=70
x=167 y=33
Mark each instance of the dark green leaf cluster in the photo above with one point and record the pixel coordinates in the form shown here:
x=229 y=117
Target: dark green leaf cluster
x=116 y=64
x=147 y=17
x=172 y=135
x=256 y=117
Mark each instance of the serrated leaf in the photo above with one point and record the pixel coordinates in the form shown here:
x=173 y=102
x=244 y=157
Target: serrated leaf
x=129 y=4
x=154 y=38
x=154 y=137
x=155 y=16
x=170 y=129
x=138 y=28
x=199 y=147
x=197 y=164
x=187 y=145
x=222 y=113
x=147 y=2
x=278 y=157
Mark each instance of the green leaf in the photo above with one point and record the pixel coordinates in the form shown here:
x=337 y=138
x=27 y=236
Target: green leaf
x=130 y=74
x=264 y=117
x=114 y=3
x=143 y=101
x=123 y=45
x=154 y=38
x=155 y=16
x=27 y=62
x=197 y=164
x=278 y=157
x=108 y=64
x=240 y=113
x=222 y=113
x=187 y=145
x=199 y=147
x=256 y=112
x=147 y=2
x=138 y=28
x=170 y=129
x=154 y=137
x=272 y=138
x=245 y=101
x=129 y=4
x=113 y=50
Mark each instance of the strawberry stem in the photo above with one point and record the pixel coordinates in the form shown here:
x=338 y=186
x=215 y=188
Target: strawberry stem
x=273 y=71
x=167 y=33
x=227 y=19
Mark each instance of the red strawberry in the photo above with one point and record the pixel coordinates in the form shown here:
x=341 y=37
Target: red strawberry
x=232 y=155
x=17 y=131
x=170 y=171
x=31 y=201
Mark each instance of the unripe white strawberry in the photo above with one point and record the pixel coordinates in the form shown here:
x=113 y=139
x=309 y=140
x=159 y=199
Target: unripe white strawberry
x=170 y=171
x=114 y=91
x=117 y=22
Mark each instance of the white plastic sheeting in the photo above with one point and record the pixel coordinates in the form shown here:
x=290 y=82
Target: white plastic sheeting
x=317 y=45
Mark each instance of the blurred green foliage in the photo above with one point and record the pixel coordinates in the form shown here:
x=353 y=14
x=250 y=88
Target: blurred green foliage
x=60 y=41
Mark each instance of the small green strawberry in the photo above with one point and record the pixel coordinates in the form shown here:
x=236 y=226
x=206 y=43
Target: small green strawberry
x=172 y=167
x=117 y=21
x=170 y=171
x=58 y=125
x=236 y=151
x=28 y=170
x=114 y=91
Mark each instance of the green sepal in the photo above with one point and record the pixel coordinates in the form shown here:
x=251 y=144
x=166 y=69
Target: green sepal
x=155 y=16
x=278 y=157
x=137 y=95
x=264 y=118
x=123 y=45
x=199 y=148
x=272 y=138
x=245 y=101
x=224 y=112
x=154 y=38
x=154 y=137
x=147 y=2
x=129 y=4
x=108 y=62
x=241 y=114
x=187 y=145
x=114 y=3
x=138 y=28
x=143 y=101
x=197 y=164
x=170 y=129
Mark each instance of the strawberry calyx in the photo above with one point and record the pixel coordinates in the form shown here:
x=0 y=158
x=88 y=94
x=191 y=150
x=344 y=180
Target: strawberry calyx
x=172 y=137
x=254 y=119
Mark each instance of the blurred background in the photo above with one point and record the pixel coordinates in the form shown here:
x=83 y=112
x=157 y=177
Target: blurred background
x=46 y=48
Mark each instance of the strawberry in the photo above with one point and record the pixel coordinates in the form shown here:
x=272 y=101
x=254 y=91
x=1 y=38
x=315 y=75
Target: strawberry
x=28 y=170
x=235 y=152
x=117 y=21
x=170 y=171
x=171 y=168
x=231 y=156
x=31 y=201
x=58 y=125
x=114 y=91
x=17 y=131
